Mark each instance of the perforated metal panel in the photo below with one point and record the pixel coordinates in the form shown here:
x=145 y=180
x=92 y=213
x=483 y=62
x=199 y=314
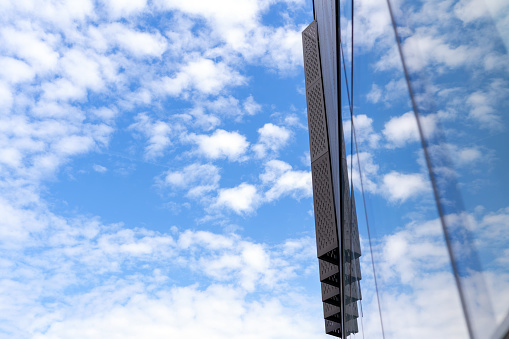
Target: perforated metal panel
x=327 y=269
x=332 y=312
x=325 y=215
x=331 y=295
x=312 y=69
x=352 y=293
x=351 y=326
x=328 y=238
x=333 y=328
x=352 y=271
x=318 y=142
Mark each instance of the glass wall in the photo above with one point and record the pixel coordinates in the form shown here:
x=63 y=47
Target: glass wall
x=424 y=107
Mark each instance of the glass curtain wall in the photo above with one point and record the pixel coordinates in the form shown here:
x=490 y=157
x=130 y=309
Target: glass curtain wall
x=422 y=90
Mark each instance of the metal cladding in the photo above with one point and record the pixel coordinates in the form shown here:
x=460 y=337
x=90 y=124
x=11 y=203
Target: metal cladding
x=338 y=248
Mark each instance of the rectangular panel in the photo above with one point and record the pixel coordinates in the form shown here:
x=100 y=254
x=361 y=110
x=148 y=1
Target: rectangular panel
x=333 y=328
x=318 y=141
x=325 y=215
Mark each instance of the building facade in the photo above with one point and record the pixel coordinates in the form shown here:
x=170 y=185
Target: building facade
x=337 y=236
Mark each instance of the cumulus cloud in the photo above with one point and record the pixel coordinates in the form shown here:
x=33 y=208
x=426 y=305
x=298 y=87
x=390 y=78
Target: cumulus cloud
x=460 y=156
x=94 y=259
x=403 y=129
x=158 y=134
x=238 y=25
x=271 y=138
x=231 y=107
x=482 y=104
x=363 y=129
x=222 y=144
x=5 y=97
x=197 y=179
x=369 y=171
x=15 y=71
x=421 y=50
x=121 y=8
x=283 y=180
x=185 y=312
x=415 y=256
x=138 y=43
x=241 y=199
x=251 y=107
x=375 y=94
x=34 y=47
x=202 y=75
x=399 y=187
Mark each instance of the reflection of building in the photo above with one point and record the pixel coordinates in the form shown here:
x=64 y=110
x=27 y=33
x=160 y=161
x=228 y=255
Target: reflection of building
x=337 y=236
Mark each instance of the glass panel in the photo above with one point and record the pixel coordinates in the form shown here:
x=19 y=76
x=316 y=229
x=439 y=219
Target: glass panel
x=458 y=70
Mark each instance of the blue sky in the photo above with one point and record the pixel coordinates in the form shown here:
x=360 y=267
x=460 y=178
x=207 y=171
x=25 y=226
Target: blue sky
x=155 y=178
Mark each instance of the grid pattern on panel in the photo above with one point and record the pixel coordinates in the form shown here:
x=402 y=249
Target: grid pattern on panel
x=351 y=311
x=312 y=69
x=327 y=237
x=312 y=59
x=327 y=269
x=318 y=142
x=329 y=294
x=325 y=220
x=332 y=312
x=333 y=328
x=351 y=327
x=353 y=271
x=352 y=293
x=312 y=30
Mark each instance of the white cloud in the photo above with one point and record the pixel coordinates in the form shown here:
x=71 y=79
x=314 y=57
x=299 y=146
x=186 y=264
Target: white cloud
x=105 y=113
x=272 y=138
x=251 y=106
x=415 y=259
x=6 y=98
x=222 y=144
x=184 y=312
x=363 y=130
x=460 y=156
x=470 y=10
x=241 y=199
x=421 y=50
x=99 y=168
x=32 y=46
x=203 y=75
x=285 y=48
x=124 y=8
x=10 y=156
x=63 y=89
x=139 y=44
x=196 y=178
x=158 y=134
x=283 y=180
x=15 y=71
x=375 y=94
x=98 y=262
x=400 y=187
x=483 y=105
x=372 y=24
x=75 y=144
x=403 y=129
x=82 y=70
x=231 y=107
x=369 y=171
x=237 y=25
x=62 y=14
